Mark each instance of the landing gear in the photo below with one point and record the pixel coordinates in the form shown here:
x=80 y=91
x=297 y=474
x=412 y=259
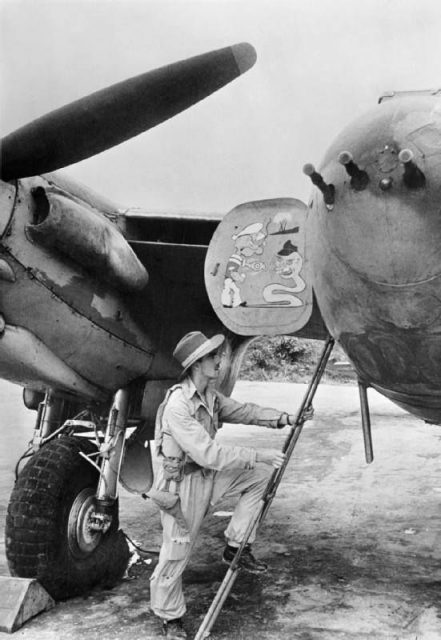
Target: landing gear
x=52 y=532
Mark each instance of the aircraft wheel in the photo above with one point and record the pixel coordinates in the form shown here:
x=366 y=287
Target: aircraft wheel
x=47 y=527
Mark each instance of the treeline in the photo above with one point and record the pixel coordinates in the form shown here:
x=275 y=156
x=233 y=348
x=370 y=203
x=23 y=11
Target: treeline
x=289 y=359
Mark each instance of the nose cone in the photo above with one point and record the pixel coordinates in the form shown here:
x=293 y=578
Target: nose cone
x=7 y=199
x=389 y=230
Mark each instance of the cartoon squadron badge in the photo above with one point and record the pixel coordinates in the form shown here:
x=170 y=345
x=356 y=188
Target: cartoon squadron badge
x=256 y=268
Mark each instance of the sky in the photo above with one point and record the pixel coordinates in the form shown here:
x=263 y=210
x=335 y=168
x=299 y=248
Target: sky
x=320 y=64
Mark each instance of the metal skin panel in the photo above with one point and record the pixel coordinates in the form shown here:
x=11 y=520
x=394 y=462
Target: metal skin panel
x=86 y=236
x=82 y=320
x=26 y=360
x=83 y=193
x=256 y=269
x=376 y=255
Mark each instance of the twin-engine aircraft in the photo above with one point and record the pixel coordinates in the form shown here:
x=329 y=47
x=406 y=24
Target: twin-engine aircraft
x=93 y=298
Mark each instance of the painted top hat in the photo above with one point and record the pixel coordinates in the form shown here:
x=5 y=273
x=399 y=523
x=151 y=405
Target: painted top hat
x=287 y=249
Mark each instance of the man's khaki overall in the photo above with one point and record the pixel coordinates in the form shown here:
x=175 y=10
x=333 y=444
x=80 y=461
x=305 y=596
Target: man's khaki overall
x=204 y=472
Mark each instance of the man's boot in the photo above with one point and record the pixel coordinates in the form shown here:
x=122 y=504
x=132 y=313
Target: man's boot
x=173 y=629
x=247 y=561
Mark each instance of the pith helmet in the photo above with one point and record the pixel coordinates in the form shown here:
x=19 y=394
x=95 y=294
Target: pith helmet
x=195 y=345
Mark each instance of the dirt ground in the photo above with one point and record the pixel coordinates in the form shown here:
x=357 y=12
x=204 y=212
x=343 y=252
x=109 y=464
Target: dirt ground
x=354 y=549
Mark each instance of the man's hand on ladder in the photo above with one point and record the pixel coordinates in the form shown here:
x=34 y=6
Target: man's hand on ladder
x=308 y=414
x=271 y=456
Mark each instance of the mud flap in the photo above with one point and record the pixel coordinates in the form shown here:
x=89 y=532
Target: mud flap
x=257 y=268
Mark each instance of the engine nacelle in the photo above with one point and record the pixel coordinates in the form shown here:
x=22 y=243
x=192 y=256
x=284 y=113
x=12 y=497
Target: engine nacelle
x=87 y=237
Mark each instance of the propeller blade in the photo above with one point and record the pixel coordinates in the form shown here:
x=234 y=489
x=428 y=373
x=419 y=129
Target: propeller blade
x=108 y=117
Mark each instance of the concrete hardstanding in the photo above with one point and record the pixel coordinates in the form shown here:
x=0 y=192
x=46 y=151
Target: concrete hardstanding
x=354 y=550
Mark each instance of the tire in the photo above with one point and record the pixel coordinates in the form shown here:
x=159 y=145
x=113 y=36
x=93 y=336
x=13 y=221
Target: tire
x=46 y=525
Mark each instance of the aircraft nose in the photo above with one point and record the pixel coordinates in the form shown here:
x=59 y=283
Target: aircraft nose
x=383 y=173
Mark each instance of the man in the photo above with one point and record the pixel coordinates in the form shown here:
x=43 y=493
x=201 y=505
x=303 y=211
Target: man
x=200 y=471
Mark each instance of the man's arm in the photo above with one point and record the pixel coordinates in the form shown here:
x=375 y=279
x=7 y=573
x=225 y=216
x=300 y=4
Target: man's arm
x=249 y=413
x=195 y=441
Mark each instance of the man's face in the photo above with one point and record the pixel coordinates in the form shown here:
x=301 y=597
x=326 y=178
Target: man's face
x=210 y=365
